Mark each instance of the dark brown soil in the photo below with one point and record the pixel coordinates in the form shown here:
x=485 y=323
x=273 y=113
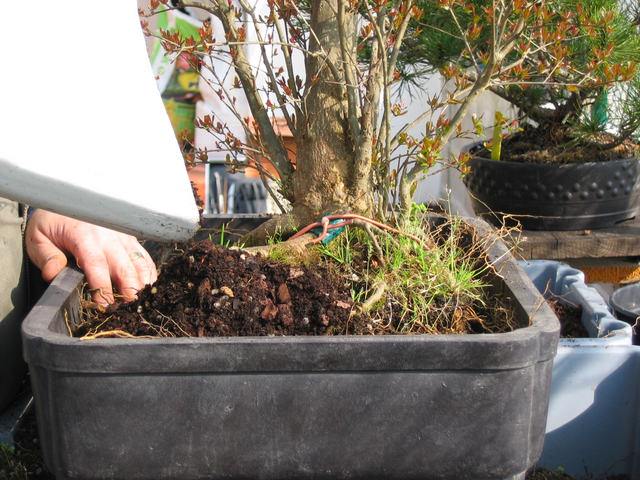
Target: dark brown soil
x=534 y=146
x=570 y=317
x=215 y=291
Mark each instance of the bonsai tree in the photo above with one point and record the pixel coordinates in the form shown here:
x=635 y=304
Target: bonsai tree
x=575 y=87
x=551 y=59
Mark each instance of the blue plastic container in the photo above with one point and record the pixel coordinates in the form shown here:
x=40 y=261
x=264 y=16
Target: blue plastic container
x=593 y=418
x=567 y=284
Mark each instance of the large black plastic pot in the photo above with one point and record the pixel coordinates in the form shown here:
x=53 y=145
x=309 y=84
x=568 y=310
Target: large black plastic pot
x=553 y=196
x=359 y=407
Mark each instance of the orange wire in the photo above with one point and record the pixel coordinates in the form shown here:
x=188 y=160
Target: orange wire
x=324 y=223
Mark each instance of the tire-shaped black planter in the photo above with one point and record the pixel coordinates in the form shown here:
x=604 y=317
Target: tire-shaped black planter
x=552 y=196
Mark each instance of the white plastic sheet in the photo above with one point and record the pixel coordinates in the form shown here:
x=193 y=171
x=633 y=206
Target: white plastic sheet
x=83 y=131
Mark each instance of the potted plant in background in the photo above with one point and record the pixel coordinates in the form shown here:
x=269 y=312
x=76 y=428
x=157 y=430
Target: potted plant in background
x=316 y=407
x=570 y=162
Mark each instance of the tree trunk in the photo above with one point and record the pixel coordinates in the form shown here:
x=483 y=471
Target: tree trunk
x=324 y=178
x=333 y=171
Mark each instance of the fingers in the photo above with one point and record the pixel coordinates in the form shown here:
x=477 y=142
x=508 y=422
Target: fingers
x=53 y=265
x=144 y=265
x=96 y=271
x=116 y=262
x=42 y=251
x=132 y=270
x=49 y=259
x=107 y=257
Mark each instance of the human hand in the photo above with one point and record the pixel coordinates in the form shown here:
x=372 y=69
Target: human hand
x=107 y=257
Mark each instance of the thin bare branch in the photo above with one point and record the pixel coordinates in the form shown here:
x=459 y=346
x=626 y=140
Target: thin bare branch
x=287 y=56
x=277 y=153
x=399 y=39
x=347 y=65
x=267 y=64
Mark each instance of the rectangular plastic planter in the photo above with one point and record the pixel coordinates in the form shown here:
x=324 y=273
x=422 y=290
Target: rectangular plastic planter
x=594 y=406
x=369 y=407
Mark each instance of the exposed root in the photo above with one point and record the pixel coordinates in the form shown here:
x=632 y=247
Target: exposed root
x=87 y=304
x=280 y=226
x=375 y=297
x=166 y=333
x=298 y=247
x=374 y=241
x=112 y=334
x=66 y=322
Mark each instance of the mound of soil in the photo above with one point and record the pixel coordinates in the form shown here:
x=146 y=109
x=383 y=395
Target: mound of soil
x=215 y=291
x=210 y=290
x=536 y=146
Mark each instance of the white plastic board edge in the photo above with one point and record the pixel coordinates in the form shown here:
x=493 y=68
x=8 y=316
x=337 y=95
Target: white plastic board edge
x=83 y=132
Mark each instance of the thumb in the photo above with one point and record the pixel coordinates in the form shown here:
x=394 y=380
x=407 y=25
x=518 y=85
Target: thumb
x=50 y=260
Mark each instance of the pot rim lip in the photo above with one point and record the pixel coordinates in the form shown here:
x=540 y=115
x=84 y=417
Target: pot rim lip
x=32 y=330
x=70 y=277
x=556 y=165
x=518 y=349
